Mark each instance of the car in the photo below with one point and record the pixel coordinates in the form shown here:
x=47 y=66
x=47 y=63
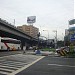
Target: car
x=30 y=48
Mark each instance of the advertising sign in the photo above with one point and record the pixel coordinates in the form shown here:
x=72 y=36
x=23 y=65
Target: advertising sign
x=31 y=19
x=72 y=37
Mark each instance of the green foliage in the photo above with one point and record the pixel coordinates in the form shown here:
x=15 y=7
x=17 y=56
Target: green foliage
x=71 y=54
x=71 y=48
x=48 y=49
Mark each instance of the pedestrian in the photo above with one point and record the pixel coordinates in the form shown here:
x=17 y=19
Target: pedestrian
x=8 y=48
x=24 y=49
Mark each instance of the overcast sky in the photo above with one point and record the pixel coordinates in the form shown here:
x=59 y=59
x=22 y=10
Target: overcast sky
x=50 y=14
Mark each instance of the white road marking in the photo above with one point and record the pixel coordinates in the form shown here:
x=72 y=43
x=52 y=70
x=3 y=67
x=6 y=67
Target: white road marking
x=9 y=55
x=2 y=72
x=26 y=66
x=19 y=66
x=61 y=65
x=2 y=60
x=8 y=67
x=13 y=63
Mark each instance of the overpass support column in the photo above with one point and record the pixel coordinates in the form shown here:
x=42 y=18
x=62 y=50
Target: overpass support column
x=22 y=44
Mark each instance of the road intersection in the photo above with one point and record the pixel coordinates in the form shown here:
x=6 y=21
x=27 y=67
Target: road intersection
x=17 y=63
x=12 y=64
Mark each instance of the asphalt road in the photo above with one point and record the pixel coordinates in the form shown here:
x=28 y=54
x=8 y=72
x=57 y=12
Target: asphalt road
x=12 y=63
x=7 y=53
x=51 y=66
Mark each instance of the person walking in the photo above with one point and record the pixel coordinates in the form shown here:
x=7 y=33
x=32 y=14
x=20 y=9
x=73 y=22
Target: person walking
x=24 y=49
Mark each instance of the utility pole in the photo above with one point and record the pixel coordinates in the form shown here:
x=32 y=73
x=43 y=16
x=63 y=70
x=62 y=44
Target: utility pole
x=55 y=38
x=14 y=22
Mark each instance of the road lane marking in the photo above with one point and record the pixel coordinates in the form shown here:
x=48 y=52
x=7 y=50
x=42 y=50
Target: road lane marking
x=8 y=67
x=13 y=63
x=9 y=55
x=2 y=72
x=16 y=64
x=61 y=65
x=26 y=66
x=2 y=60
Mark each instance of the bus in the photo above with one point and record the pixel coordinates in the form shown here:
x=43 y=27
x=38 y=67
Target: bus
x=9 y=44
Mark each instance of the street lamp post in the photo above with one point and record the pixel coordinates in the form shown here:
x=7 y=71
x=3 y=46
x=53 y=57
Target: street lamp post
x=47 y=32
x=48 y=36
x=55 y=38
x=38 y=35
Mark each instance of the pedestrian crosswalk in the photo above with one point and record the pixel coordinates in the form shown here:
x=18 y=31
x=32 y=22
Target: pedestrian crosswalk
x=7 y=67
x=15 y=63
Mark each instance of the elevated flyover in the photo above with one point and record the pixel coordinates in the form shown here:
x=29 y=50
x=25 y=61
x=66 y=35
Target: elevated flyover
x=8 y=30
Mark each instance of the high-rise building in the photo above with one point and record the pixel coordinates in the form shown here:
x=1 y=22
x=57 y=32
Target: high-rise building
x=30 y=30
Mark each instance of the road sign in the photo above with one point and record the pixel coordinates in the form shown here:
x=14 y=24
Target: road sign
x=72 y=37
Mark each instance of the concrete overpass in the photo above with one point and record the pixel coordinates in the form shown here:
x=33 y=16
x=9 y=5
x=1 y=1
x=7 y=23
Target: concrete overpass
x=8 y=30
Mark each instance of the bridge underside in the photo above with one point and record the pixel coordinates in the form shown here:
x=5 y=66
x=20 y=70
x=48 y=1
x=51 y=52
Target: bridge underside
x=10 y=35
x=7 y=30
x=23 y=40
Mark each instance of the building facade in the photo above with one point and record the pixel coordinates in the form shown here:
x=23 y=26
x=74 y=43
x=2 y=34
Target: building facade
x=70 y=37
x=29 y=30
x=66 y=32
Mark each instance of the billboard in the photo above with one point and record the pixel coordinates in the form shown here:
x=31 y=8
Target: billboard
x=31 y=19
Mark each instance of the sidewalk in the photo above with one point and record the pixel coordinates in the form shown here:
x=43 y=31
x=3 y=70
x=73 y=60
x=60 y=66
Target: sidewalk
x=43 y=53
x=29 y=52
